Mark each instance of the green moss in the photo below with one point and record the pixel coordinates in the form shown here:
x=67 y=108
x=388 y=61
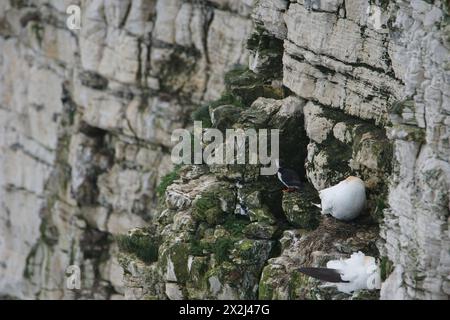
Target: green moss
x=299 y=209
x=413 y=133
x=380 y=205
x=214 y=205
x=235 y=226
x=227 y=98
x=298 y=284
x=262 y=214
x=204 y=203
x=214 y=215
x=366 y=295
x=179 y=254
x=143 y=246
x=199 y=248
x=240 y=75
x=242 y=88
x=386 y=267
x=167 y=180
x=197 y=283
x=226 y=117
x=207 y=208
x=266 y=291
x=260 y=230
x=222 y=249
x=226 y=272
x=248 y=86
x=246 y=249
x=246 y=245
x=38 y=31
x=398 y=106
x=202 y=112
x=221 y=246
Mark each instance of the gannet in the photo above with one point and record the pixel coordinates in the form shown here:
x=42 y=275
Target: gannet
x=355 y=273
x=289 y=178
x=344 y=201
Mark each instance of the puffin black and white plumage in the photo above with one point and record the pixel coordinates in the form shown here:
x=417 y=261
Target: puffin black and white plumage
x=289 y=178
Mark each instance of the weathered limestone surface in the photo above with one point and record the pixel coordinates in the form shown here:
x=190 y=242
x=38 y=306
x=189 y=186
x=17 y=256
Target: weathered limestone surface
x=85 y=124
x=355 y=86
x=416 y=225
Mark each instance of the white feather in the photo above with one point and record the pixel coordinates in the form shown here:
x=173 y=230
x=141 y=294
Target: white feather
x=345 y=200
x=360 y=270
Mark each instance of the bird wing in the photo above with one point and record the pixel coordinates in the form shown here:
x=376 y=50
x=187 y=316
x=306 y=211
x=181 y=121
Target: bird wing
x=294 y=179
x=327 y=200
x=324 y=274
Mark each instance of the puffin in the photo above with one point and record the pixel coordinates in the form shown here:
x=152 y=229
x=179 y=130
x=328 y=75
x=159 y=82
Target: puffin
x=289 y=178
x=359 y=272
x=345 y=200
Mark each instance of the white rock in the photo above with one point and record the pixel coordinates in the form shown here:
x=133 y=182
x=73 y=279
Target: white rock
x=173 y=291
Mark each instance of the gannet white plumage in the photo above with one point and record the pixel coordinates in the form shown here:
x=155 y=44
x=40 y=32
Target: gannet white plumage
x=345 y=200
x=358 y=272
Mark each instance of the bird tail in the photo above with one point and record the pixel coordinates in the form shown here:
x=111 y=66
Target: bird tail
x=317 y=205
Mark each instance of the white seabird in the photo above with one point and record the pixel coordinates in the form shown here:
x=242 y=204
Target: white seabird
x=344 y=201
x=359 y=272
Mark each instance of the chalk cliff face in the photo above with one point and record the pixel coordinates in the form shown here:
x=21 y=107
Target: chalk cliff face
x=86 y=116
